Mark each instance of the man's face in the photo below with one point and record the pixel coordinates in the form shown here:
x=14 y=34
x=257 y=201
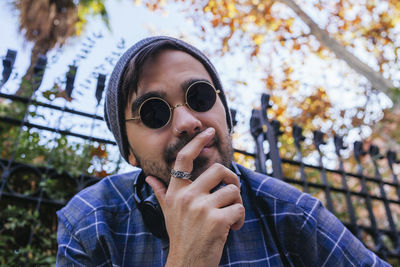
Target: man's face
x=154 y=150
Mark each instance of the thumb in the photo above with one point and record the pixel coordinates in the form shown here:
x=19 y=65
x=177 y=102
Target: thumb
x=159 y=188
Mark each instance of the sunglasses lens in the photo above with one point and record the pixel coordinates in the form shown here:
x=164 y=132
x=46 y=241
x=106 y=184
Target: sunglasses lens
x=155 y=113
x=201 y=97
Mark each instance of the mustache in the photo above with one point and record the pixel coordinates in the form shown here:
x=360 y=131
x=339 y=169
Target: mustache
x=171 y=151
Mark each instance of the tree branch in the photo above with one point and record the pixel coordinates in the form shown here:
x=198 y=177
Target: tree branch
x=377 y=80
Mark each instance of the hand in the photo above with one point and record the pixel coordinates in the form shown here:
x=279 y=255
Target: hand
x=197 y=221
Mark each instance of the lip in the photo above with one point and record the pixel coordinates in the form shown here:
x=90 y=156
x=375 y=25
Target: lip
x=207 y=148
x=210 y=144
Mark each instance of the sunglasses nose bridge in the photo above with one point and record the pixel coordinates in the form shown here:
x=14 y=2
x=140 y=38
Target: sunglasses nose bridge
x=184 y=120
x=177 y=106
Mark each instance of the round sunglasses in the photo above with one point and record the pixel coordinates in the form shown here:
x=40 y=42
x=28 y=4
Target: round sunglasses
x=155 y=112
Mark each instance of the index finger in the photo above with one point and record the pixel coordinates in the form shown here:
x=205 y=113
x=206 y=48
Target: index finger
x=186 y=156
x=211 y=177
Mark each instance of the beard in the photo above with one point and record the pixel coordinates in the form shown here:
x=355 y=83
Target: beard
x=162 y=168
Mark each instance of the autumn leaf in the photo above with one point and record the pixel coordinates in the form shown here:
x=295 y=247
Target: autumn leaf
x=98 y=151
x=56 y=92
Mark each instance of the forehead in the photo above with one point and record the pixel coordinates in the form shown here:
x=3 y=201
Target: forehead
x=169 y=69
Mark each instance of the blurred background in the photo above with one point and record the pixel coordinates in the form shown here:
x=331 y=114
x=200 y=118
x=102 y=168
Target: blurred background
x=314 y=85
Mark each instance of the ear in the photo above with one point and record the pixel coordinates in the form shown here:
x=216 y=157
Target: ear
x=132 y=159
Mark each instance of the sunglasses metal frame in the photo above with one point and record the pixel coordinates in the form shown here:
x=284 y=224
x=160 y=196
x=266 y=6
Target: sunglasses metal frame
x=176 y=106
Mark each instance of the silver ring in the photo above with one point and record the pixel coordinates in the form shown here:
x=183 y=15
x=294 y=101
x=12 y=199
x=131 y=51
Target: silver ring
x=181 y=174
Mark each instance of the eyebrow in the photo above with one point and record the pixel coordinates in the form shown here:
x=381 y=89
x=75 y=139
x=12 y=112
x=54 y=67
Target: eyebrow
x=138 y=101
x=185 y=85
x=162 y=94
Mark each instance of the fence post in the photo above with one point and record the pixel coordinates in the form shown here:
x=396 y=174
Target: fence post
x=375 y=156
x=392 y=159
x=272 y=137
x=318 y=139
x=298 y=138
x=359 y=152
x=338 y=140
x=258 y=135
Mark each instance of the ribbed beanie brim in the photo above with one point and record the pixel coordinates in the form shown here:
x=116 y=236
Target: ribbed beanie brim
x=114 y=113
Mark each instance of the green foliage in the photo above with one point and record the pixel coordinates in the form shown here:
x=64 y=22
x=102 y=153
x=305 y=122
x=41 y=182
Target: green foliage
x=93 y=8
x=15 y=225
x=13 y=110
x=59 y=153
x=395 y=95
x=59 y=188
x=61 y=162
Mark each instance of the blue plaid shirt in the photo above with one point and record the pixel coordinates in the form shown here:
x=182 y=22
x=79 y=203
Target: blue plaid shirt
x=102 y=226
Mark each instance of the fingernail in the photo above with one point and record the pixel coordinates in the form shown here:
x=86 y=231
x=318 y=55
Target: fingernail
x=209 y=130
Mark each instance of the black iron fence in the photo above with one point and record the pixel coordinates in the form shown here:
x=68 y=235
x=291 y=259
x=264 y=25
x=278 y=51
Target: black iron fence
x=365 y=198
x=370 y=207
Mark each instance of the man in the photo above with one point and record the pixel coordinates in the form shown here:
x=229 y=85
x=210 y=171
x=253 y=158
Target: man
x=167 y=110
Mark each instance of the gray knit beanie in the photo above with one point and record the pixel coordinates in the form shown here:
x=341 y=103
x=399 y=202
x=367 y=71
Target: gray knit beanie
x=114 y=113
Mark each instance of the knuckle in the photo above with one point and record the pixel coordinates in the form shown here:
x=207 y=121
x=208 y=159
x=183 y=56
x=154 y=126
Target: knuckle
x=218 y=167
x=241 y=210
x=200 y=208
x=233 y=188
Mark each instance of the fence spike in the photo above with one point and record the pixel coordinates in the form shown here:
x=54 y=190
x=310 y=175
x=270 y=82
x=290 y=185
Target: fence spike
x=255 y=123
x=359 y=151
x=298 y=135
x=101 y=81
x=339 y=145
x=318 y=138
x=265 y=103
x=8 y=63
x=70 y=80
x=38 y=71
x=392 y=157
x=374 y=152
x=276 y=125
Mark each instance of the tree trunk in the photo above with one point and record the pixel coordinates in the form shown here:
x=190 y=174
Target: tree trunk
x=376 y=79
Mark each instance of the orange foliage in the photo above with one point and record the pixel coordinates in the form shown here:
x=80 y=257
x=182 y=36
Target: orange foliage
x=372 y=23
x=98 y=151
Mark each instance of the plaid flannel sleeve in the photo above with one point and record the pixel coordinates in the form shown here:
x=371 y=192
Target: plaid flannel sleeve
x=324 y=239
x=70 y=251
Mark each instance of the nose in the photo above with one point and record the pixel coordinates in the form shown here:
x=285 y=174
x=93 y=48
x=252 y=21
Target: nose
x=185 y=122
